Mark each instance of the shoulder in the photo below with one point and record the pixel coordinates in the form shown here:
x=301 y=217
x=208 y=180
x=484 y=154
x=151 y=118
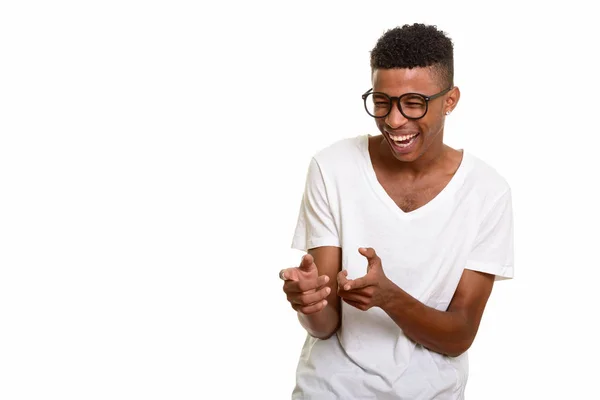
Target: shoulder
x=341 y=154
x=485 y=180
x=343 y=147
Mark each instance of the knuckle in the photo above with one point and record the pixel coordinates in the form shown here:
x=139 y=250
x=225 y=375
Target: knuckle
x=306 y=310
x=288 y=291
x=309 y=299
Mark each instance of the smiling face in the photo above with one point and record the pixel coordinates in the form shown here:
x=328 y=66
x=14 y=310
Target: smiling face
x=409 y=140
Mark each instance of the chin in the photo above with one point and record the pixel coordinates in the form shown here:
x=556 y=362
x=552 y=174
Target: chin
x=405 y=154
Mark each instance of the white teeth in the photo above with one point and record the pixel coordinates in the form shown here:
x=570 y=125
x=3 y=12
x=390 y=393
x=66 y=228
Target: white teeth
x=398 y=139
x=404 y=137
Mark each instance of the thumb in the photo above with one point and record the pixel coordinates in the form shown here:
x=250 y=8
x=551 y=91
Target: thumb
x=371 y=255
x=307 y=263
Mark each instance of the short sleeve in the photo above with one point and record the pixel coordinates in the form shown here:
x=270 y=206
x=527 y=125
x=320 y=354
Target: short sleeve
x=493 y=251
x=316 y=225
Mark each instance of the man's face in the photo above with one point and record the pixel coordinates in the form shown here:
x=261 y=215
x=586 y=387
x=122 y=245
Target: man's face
x=428 y=129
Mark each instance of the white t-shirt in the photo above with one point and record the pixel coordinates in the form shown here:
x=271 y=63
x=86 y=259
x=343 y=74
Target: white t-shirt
x=469 y=224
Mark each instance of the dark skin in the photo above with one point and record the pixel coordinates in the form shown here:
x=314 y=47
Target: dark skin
x=312 y=291
x=412 y=179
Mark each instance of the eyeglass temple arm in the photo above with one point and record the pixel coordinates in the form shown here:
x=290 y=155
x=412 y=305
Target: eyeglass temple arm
x=443 y=92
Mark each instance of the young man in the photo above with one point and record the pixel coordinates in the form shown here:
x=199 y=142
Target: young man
x=405 y=238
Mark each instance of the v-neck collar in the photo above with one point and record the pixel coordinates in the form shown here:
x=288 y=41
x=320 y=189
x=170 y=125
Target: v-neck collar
x=450 y=188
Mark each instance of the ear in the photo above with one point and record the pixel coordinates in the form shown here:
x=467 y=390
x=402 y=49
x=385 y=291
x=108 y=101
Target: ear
x=452 y=100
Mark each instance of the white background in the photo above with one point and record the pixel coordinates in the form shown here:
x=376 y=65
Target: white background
x=152 y=159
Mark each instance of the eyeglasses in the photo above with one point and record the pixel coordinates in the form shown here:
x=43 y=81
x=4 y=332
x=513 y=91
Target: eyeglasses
x=411 y=105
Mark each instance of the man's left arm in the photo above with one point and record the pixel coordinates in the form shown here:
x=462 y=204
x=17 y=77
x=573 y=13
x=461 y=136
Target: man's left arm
x=448 y=332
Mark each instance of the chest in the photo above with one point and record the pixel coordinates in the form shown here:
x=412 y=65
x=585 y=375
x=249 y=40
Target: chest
x=411 y=195
x=421 y=253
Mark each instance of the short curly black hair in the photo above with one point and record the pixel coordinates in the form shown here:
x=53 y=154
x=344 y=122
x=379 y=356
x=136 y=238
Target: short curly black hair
x=417 y=45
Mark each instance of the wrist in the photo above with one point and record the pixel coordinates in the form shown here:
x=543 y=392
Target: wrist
x=390 y=292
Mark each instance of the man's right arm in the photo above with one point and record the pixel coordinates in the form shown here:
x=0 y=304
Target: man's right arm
x=324 y=323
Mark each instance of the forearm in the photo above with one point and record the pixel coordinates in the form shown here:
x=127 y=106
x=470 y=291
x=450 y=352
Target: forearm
x=444 y=332
x=322 y=324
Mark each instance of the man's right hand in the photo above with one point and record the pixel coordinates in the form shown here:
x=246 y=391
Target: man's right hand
x=305 y=289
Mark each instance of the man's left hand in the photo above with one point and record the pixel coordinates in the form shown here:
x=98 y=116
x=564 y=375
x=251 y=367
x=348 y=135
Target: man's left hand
x=371 y=290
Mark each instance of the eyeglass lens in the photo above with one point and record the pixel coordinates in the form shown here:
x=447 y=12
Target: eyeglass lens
x=412 y=105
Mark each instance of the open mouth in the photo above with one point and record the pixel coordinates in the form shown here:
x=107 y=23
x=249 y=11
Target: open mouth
x=403 y=141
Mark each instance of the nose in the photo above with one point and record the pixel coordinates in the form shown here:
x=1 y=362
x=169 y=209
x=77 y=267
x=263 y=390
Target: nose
x=395 y=119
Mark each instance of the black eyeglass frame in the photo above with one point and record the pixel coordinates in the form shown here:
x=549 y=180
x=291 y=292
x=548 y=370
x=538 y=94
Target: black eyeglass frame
x=398 y=98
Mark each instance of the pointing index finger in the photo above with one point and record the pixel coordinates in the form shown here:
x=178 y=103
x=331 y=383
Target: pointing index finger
x=307 y=262
x=359 y=283
x=343 y=280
